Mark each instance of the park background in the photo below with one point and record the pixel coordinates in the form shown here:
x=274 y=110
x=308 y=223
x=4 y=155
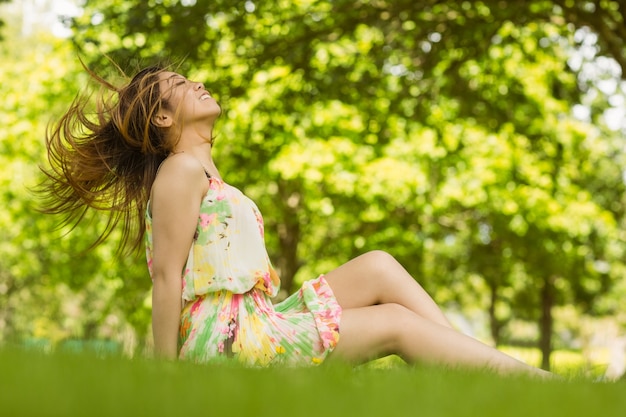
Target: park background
x=482 y=143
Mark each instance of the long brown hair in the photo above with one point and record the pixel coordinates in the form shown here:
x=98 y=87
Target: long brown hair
x=107 y=158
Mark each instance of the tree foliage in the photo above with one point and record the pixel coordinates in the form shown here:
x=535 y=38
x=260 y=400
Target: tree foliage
x=442 y=132
x=2 y=22
x=51 y=287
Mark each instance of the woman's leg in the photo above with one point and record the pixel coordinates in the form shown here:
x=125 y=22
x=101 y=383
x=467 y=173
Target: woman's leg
x=375 y=331
x=377 y=278
x=385 y=311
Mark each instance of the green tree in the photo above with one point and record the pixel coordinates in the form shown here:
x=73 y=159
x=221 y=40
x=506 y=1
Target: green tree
x=2 y=23
x=51 y=287
x=440 y=131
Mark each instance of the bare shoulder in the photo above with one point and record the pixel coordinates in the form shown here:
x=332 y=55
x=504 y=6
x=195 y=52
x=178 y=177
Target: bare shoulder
x=180 y=173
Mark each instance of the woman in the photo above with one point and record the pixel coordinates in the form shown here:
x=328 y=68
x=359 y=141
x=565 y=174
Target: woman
x=149 y=153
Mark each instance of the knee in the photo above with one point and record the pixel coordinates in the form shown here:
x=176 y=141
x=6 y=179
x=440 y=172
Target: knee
x=386 y=268
x=399 y=320
x=381 y=260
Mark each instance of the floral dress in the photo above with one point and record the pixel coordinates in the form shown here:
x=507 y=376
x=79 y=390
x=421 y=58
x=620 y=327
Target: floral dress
x=227 y=285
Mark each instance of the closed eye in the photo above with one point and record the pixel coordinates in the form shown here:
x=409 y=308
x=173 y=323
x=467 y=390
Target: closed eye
x=178 y=79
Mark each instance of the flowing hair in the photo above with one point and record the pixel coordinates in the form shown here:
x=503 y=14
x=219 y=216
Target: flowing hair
x=107 y=159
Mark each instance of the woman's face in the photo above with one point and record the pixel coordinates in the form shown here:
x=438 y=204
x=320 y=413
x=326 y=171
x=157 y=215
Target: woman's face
x=187 y=101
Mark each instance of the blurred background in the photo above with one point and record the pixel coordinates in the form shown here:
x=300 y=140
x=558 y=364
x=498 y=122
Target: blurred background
x=482 y=143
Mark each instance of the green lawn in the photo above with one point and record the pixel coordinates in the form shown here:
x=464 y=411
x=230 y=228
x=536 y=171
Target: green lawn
x=34 y=384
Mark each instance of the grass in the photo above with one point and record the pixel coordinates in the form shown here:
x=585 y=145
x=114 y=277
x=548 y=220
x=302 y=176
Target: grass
x=35 y=384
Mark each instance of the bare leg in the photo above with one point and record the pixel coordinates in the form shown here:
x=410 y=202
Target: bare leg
x=385 y=311
x=378 y=278
x=376 y=331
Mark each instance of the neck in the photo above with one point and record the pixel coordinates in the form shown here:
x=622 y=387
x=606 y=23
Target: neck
x=202 y=152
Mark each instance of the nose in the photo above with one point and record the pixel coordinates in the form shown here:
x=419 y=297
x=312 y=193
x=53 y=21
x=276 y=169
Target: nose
x=199 y=86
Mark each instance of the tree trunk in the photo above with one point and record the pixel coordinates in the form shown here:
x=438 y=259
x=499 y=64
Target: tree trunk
x=494 y=324
x=546 y=322
x=288 y=263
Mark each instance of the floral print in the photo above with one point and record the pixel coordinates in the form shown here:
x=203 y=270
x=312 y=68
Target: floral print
x=227 y=285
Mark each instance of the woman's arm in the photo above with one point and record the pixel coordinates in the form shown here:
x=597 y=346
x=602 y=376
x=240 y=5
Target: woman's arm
x=176 y=197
